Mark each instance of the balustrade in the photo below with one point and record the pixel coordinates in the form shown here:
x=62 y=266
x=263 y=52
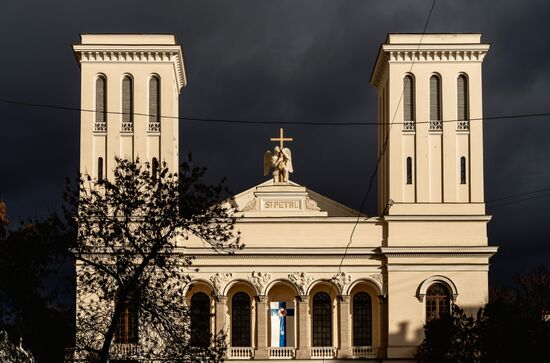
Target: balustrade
x=240 y=353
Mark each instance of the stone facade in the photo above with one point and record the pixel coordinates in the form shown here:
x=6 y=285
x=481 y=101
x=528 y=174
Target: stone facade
x=432 y=227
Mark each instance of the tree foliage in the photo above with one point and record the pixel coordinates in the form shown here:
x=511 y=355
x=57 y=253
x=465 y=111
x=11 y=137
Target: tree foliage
x=513 y=327
x=36 y=285
x=131 y=229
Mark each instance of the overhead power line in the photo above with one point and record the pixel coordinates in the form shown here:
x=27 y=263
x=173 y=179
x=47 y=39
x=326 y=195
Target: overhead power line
x=382 y=152
x=261 y=122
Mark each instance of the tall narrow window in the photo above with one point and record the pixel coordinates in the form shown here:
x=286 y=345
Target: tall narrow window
x=154 y=104
x=409 y=170
x=127 y=325
x=438 y=301
x=155 y=167
x=322 y=320
x=200 y=320
x=127 y=104
x=463 y=122
x=240 y=320
x=435 y=103
x=99 y=168
x=362 y=319
x=462 y=170
x=408 y=104
x=100 y=104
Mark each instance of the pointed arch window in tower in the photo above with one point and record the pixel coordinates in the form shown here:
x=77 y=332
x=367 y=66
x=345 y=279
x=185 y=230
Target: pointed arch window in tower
x=240 y=320
x=100 y=124
x=408 y=104
x=462 y=170
x=409 y=171
x=127 y=105
x=435 y=103
x=463 y=119
x=99 y=169
x=155 y=168
x=154 y=104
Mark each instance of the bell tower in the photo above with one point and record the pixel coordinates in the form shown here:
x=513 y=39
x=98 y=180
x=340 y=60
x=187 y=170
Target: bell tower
x=130 y=84
x=430 y=115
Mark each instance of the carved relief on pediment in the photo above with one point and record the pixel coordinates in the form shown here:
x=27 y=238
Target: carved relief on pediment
x=311 y=204
x=259 y=280
x=302 y=280
x=251 y=206
x=220 y=281
x=342 y=280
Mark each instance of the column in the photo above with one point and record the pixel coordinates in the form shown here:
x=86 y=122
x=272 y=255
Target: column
x=261 y=325
x=344 y=318
x=384 y=322
x=221 y=314
x=303 y=351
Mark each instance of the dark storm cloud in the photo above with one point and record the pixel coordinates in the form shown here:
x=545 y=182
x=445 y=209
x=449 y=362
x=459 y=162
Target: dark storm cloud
x=281 y=61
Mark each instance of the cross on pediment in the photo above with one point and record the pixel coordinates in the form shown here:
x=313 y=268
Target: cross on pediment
x=281 y=138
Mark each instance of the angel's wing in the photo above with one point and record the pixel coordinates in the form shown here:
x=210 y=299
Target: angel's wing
x=267 y=162
x=288 y=154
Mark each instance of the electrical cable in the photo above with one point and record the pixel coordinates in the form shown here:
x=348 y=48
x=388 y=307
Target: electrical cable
x=260 y=122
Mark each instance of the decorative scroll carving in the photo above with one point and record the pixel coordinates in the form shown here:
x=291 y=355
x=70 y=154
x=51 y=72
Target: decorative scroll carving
x=409 y=126
x=311 y=204
x=100 y=127
x=435 y=125
x=259 y=280
x=220 y=280
x=302 y=280
x=127 y=127
x=251 y=205
x=378 y=278
x=154 y=126
x=463 y=125
x=341 y=279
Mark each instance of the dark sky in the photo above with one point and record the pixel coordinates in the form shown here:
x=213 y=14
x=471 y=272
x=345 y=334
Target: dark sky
x=278 y=61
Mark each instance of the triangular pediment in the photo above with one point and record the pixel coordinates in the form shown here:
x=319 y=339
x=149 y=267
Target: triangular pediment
x=270 y=199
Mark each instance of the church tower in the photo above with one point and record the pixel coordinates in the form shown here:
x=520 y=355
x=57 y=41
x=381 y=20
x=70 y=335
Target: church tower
x=430 y=116
x=130 y=85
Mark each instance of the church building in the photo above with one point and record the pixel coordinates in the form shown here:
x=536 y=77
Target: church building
x=290 y=294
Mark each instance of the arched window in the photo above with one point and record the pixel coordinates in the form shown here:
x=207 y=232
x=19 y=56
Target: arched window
x=409 y=170
x=438 y=301
x=462 y=170
x=100 y=104
x=127 y=104
x=462 y=103
x=435 y=103
x=408 y=104
x=322 y=320
x=200 y=320
x=240 y=320
x=155 y=167
x=362 y=319
x=127 y=325
x=99 y=168
x=154 y=104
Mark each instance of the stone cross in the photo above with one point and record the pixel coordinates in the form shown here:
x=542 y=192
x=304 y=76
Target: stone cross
x=281 y=138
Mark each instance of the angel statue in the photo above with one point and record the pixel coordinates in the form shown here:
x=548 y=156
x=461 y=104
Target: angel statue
x=281 y=162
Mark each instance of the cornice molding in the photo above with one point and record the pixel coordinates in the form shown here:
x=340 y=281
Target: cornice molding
x=134 y=54
x=426 y=53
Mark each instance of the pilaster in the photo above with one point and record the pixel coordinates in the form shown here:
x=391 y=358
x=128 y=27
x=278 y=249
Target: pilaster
x=261 y=325
x=344 y=350
x=221 y=314
x=303 y=351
